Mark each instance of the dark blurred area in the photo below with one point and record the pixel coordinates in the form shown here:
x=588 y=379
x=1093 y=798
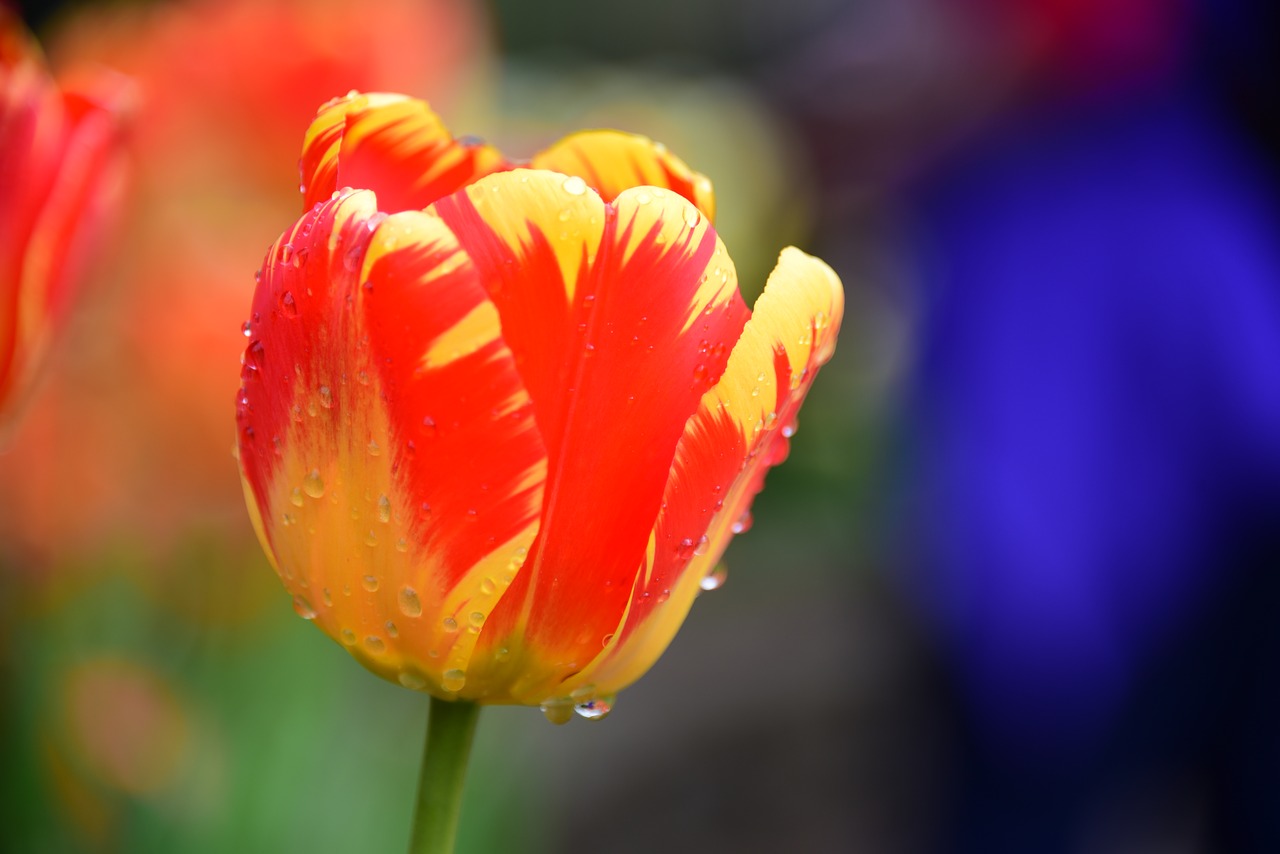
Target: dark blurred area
x=1015 y=590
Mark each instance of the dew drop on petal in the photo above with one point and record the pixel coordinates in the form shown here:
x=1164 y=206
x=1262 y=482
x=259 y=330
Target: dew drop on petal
x=450 y=624
x=303 y=607
x=412 y=679
x=558 y=711
x=595 y=709
x=410 y=604
x=453 y=680
x=574 y=185
x=701 y=547
x=313 y=484
x=348 y=637
x=715 y=579
x=392 y=630
x=742 y=523
x=370 y=583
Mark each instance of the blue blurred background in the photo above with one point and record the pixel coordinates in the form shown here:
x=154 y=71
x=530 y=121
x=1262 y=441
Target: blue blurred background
x=1015 y=590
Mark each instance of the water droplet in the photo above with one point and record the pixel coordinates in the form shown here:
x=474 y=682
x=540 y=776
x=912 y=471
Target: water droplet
x=348 y=637
x=384 y=509
x=371 y=539
x=412 y=679
x=477 y=618
x=247 y=329
x=303 y=607
x=453 y=680
x=742 y=523
x=685 y=549
x=326 y=396
x=789 y=430
x=715 y=579
x=643 y=198
x=313 y=484
x=295 y=497
x=374 y=450
x=392 y=630
x=558 y=711
x=701 y=548
x=402 y=545
x=328 y=597
x=450 y=624
x=700 y=372
x=370 y=583
x=595 y=709
x=410 y=604
x=487 y=586
x=429 y=427
x=375 y=644
x=574 y=186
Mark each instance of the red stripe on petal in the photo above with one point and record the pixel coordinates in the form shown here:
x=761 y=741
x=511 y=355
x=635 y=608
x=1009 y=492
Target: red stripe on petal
x=741 y=429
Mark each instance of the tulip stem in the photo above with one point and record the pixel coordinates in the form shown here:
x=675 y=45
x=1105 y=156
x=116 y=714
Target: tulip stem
x=450 y=728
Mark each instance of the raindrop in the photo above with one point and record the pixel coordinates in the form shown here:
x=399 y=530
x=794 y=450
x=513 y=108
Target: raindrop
x=370 y=583
x=371 y=539
x=328 y=597
x=450 y=624
x=477 y=618
x=392 y=631
x=373 y=643
x=594 y=710
x=303 y=607
x=348 y=637
x=246 y=328
x=410 y=604
x=487 y=586
x=384 y=509
x=429 y=426
x=701 y=548
x=685 y=549
x=326 y=397
x=295 y=497
x=742 y=523
x=288 y=305
x=453 y=680
x=574 y=185
x=715 y=579
x=412 y=679
x=558 y=711
x=402 y=545
x=313 y=484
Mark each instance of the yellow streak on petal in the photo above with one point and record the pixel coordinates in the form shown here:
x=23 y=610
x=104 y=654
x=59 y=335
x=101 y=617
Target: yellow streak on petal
x=523 y=206
x=464 y=338
x=612 y=161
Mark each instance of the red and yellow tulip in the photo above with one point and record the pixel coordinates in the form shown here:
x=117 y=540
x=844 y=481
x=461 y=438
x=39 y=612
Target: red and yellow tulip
x=60 y=159
x=498 y=424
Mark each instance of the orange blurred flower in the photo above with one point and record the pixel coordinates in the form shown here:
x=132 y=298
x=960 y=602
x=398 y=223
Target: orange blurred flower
x=61 y=179
x=495 y=447
x=135 y=428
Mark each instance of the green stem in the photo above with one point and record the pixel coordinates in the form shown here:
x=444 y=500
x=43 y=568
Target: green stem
x=450 y=728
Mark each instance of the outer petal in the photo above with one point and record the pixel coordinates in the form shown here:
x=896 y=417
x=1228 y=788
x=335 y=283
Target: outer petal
x=611 y=161
x=391 y=144
x=395 y=524
x=61 y=175
x=620 y=317
x=741 y=428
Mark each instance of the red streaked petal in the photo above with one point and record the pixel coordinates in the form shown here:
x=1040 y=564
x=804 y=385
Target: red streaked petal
x=741 y=429
x=611 y=161
x=392 y=144
x=394 y=524
x=620 y=317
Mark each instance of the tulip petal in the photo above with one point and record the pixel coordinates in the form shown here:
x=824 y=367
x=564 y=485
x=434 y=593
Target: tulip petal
x=362 y=324
x=62 y=173
x=620 y=317
x=611 y=161
x=741 y=429
x=392 y=144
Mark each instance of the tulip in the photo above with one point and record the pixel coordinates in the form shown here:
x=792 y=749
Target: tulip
x=60 y=179
x=497 y=425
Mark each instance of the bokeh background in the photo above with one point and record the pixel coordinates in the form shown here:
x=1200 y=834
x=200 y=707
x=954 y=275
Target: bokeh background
x=1017 y=588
